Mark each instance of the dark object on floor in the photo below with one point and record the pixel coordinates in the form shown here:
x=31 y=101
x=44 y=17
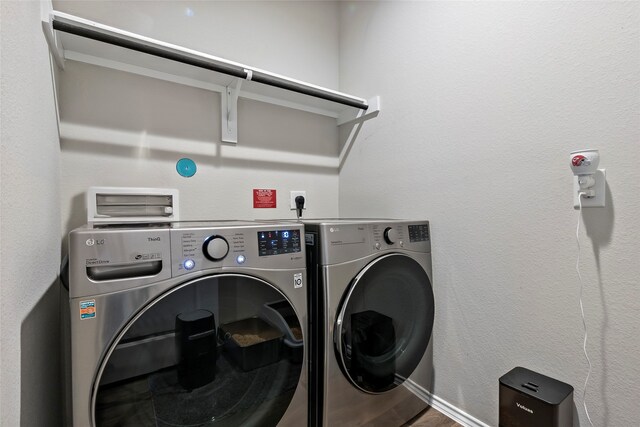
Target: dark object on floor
x=196 y=345
x=235 y=398
x=281 y=315
x=530 y=399
x=373 y=349
x=125 y=404
x=252 y=343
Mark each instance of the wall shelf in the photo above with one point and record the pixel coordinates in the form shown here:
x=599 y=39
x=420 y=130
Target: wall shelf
x=77 y=39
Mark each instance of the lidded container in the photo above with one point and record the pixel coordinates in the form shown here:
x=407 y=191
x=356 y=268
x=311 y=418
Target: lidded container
x=530 y=399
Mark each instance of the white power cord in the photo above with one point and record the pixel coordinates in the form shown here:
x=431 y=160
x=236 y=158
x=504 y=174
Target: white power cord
x=584 y=323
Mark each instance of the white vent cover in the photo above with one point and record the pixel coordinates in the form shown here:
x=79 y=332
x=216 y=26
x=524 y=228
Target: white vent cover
x=125 y=204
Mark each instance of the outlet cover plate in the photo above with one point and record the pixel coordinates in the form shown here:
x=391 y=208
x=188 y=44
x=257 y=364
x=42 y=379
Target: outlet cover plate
x=598 y=201
x=292 y=199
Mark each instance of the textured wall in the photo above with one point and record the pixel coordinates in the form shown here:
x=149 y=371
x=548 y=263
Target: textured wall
x=482 y=102
x=125 y=130
x=131 y=130
x=30 y=223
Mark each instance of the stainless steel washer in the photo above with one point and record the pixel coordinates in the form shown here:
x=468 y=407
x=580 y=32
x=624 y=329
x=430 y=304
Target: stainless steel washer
x=372 y=318
x=168 y=325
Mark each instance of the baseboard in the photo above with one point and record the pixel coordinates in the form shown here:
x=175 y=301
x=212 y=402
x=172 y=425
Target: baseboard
x=445 y=407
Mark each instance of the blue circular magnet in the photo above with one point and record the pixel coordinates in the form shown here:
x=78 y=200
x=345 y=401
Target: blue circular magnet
x=186 y=167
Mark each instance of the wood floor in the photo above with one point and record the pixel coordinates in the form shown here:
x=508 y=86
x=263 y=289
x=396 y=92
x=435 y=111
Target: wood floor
x=431 y=418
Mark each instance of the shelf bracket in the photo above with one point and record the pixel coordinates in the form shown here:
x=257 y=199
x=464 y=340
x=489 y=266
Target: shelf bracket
x=229 y=110
x=55 y=47
x=360 y=116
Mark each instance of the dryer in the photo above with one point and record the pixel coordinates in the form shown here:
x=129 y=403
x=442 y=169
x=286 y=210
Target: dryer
x=372 y=312
x=168 y=325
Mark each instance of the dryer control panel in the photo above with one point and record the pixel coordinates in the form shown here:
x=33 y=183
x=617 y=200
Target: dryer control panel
x=418 y=233
x=344 y=240
x=412 y=236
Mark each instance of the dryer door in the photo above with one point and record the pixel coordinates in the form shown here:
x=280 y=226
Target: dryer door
x=384 y=323
x=223 y=350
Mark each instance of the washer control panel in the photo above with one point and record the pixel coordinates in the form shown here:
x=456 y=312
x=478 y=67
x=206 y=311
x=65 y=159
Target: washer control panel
x=198 y=248
x=215 y=248
x=109 y=259
x=276 y=242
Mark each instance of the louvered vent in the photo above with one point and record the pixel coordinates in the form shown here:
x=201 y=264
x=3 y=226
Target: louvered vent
x=121 y=204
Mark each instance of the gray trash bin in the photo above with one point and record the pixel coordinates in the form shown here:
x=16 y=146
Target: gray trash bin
x=530 y=399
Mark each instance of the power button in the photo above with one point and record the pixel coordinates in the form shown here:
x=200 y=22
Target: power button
x=188 y=264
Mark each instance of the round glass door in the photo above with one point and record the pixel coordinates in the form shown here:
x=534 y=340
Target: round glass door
x=384 y=323
x=224 y=350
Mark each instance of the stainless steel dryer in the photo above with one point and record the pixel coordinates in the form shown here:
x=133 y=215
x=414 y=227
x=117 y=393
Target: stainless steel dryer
x=372 y=312
x=198 y=324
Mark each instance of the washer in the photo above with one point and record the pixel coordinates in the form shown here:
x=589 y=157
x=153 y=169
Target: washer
x=372 y=311
x=188 y=324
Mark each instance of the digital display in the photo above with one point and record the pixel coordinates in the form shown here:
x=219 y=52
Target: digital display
x=419 y=233
x=276 y=242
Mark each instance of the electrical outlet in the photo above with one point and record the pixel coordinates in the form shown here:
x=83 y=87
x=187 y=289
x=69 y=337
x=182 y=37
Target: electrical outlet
x=599 y=187
x=293 y=195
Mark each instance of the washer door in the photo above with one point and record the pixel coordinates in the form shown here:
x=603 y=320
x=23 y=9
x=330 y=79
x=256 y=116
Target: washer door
x=384 y=323
x=202 y=354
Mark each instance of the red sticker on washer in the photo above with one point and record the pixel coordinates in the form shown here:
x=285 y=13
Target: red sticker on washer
x=264 y=198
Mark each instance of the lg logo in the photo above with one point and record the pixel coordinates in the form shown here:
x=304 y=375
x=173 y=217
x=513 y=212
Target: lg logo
x=92 y=242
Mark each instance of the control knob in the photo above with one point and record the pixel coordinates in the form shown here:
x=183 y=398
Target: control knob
x=215 y=248
x=390 y=235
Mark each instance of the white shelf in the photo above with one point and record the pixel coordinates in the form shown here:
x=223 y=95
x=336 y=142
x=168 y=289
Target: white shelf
x=77 y=39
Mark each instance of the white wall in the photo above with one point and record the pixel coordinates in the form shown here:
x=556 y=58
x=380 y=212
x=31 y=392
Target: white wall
x=482 y=102
x=296 y=39
x=120 y=129
x=126 y=130
x=30 y=223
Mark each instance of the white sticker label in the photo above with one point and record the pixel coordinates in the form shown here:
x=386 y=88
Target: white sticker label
x=297 y=280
